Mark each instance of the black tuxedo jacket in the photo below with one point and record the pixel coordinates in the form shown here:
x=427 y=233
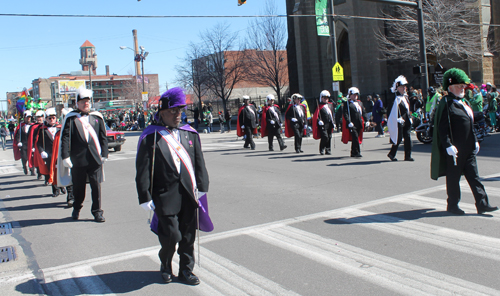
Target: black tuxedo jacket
x=355 y=117
x=270 y=116
x=45 y=141
x=323 y=114
x=170 y=188
x=74 y=145
x=462 y=132
x=292 y=113
x=248 y=118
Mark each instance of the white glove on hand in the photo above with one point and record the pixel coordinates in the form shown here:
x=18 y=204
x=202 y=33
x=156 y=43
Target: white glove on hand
x=148 y=206
x=32 y=149
x=452 y=151
x=271 y=122
x=320 y=123
x=305 y=126
x=367 y=124
x=350 y=125
x=242 y=127
x=477 y=149
x=67 y=163
x=104 y=159
x=44 y=155
x=294 y=119
x=401 y=121
x=19 y=144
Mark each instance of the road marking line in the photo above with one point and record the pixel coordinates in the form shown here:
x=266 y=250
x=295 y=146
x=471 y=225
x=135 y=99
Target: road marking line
x=387 y=272
x=466 y=242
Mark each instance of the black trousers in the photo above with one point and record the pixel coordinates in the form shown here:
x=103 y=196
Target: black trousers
x=79 y=177
x=274 y=132
x=403 y=133
x=468 y=167
x=249 y=138
x=297 y=132
x=326 y=137
x=24 y=159
x=355 y=149
x=180 y=228
x=378 y=128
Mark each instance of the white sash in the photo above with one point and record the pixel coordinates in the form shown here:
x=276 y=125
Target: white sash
x=92 y=133
x=182 y=154
x=467 y=109
x=358 y=107
x=274 y=113
x=325 y=106
x=250 y=109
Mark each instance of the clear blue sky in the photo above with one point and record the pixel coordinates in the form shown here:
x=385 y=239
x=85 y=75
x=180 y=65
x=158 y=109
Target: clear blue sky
x=35 y=47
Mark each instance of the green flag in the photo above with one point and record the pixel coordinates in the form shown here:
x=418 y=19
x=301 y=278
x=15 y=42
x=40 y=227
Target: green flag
x=321 y=19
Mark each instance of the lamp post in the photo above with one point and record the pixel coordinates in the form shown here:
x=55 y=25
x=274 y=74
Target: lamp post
x=91 y=65
x=139 y=57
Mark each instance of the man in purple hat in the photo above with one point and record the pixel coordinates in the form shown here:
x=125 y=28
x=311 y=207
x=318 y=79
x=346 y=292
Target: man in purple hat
x=171 y=174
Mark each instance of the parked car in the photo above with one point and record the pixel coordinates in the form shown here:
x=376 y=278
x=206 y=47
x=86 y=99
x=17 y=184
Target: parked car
x=115 y=139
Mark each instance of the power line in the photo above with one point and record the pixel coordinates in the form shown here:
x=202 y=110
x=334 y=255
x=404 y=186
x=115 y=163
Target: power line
x=219 y=16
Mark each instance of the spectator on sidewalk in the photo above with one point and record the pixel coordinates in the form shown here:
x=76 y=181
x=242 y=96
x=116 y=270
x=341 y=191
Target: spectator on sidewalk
x=3 y=135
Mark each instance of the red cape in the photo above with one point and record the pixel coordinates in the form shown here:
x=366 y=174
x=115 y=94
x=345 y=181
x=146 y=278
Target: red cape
x=239 y=131
x=288 y=123
x=17 y=152
x=55 y=154
x=42 y=167
x=346 y=135
x=31 y=156
x=263 y=122
x=315 y=127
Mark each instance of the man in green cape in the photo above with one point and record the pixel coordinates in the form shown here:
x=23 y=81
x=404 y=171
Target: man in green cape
x=454 y=145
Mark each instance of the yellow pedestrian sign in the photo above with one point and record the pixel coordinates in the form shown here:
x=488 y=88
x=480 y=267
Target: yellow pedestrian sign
x=338 y=72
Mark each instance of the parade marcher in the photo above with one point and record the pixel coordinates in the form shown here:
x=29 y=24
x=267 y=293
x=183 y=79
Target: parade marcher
x=271 y=123
x=34 y=156
x=354 y=121
x=247 y=122
x=170 y=174
x=83 y=149
x=378 y=116
x=295 y=121
x=399 y=121
x=455 y=145
x=20 y=145
x=228 y=118
x=323 y=123
x=432 y=99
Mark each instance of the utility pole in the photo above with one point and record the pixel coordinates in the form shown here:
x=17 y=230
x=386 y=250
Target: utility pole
x=333 y=36
x=424 y=82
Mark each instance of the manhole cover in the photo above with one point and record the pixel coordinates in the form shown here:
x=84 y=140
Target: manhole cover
x=7 y=254
x=5 y=228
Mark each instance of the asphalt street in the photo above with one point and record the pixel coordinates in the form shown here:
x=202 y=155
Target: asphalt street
x=285 y=224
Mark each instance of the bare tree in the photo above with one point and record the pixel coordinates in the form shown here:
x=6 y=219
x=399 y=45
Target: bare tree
x=223 y=66
x=268 y=64
x=192 y=74
x=448 y=31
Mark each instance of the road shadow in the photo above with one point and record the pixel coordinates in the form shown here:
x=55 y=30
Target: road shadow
x=24 y=187
x=396 y=217
x=292 y=155
x=115 y=283
x=322 y=158
x=40 y=222
x=8 y=183
x=370 y=162
x=58 y=204
x=25 y=197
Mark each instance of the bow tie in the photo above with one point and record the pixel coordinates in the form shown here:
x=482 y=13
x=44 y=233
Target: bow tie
x=84 y=113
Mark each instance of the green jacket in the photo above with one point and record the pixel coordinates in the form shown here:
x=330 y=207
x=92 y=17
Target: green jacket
x=492 y=106
x=476 y=103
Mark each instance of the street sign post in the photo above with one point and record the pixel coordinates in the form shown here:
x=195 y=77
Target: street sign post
x=144 y=96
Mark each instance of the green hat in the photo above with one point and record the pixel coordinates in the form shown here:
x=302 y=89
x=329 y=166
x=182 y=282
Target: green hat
x=340 y=94
x=454 y=76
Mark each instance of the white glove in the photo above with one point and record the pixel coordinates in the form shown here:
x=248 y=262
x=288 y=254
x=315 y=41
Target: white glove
x=334 y=126
x=350 y=125
x=19 y=144
x=32 y=149
x=104 y=159
x=294 y=119
x=401 y=121
x=477 y=148
x=148 y=206
x=242 y=127
x=320 y=123
x=271 y=122
x=44 y=155
x=452 y=151
x=67 y=163
x=367 y=124
x=305 y=126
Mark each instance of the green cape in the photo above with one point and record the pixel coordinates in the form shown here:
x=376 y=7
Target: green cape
x=438 y=155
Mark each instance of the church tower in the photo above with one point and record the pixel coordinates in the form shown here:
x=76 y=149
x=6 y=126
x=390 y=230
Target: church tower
x=88 y=57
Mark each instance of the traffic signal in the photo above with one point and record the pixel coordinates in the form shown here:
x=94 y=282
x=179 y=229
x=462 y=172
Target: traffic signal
x=241 y=2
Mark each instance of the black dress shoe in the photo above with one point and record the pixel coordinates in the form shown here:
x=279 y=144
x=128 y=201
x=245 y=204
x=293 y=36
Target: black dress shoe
x=392 y=158
x=328 y=153
x=33 y=174
x=70 y=203
x=25 y=171
x=283 y=148
x=55 y=193
x=63 y=190
x=301 y=151
x=482 y=209
x=321 y=152
x=45 y=183
x=455 y=210
x=98 y=217
x=76 y=214
x=166 y=275
x=271 y=149
x=188 y=277
x=357 y=155
x=297 y=150
x=409 y=159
